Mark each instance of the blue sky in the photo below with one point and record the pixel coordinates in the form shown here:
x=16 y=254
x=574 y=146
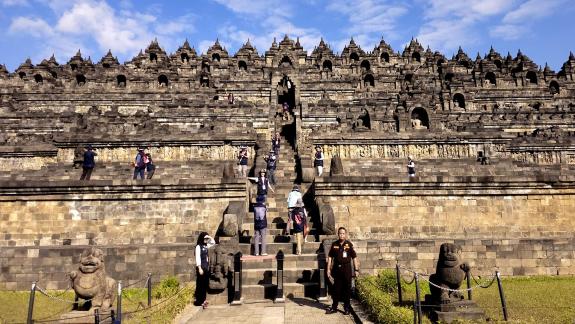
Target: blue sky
x=542 y=29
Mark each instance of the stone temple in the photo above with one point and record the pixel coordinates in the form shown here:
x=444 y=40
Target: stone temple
x=492 y=138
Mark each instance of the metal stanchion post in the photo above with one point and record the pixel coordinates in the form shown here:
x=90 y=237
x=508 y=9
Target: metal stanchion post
x=414 y=312
x=398 y=277
x=322 y=283
x=119 y=310
x=237 y=279
x=501 y=295
x=31 y=303
x=468 y=276
x=96 y=316
x=280 y=278
x=149 y=284
x=418 y=298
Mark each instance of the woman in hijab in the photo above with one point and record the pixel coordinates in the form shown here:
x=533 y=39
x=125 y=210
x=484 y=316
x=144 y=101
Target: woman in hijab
x=202 y=268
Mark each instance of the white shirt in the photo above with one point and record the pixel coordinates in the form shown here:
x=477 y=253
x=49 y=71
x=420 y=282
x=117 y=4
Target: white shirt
x=293 y=198
x=211 y=243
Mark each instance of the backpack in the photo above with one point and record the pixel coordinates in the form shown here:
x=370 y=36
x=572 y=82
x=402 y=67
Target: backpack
x=271 y=163
x=260 y=220
x=299 y=220
x=140 y=160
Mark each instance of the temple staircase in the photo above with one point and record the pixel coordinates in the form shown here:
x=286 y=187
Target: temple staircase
x=300 y=272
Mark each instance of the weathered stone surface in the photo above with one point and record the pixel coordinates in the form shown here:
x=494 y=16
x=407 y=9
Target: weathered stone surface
x=336 y=167
x=91 y=282
x=230 y=226
x=449 y=274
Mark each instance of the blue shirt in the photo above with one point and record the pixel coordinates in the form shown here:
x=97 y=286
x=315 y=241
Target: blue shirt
x=89 y=159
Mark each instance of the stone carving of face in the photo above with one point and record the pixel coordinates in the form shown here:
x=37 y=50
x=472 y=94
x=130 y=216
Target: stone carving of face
x=450 y=254
x=91 y=260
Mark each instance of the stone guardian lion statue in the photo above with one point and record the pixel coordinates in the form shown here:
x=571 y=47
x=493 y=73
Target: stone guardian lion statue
x=449 y=273
x=90 y=282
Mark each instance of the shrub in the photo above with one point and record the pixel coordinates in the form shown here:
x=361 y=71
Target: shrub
x=379 y=302
x=167 y=287
x=386 y=280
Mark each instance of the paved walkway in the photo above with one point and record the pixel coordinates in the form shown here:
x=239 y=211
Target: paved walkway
x=293 y=311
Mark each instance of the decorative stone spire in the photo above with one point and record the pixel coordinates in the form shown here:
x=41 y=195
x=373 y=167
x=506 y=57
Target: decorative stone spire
x=186 y=45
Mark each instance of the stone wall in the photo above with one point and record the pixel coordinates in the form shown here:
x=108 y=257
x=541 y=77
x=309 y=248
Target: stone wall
x=49 y=264
x=107 y=212
x=130 y=263
x=473 y=209
x=553 y=256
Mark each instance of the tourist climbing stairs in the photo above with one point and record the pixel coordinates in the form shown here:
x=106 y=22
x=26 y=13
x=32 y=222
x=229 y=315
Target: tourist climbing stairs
x=300 y=272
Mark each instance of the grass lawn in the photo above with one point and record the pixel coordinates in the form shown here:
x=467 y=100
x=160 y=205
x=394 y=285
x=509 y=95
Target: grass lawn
x=167 y=302
x=537 y=299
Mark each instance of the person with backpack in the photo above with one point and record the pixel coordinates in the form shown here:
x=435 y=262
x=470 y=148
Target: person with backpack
x=150 y=166
x=299 y=221
x=139 y=164
x=271 y=162
x=263 y=185
x=260 y=226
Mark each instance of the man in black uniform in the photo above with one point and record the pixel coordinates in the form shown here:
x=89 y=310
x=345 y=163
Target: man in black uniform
x=339 y=271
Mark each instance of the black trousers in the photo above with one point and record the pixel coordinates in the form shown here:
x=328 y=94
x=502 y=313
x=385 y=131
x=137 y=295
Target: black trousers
x=86 y=173
x=202 y=284
x=341 y=286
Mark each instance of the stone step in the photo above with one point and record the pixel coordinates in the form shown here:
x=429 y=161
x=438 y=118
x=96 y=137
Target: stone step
x=287 y=248
x=269 y=291
x=304 y=261
x=269 y=276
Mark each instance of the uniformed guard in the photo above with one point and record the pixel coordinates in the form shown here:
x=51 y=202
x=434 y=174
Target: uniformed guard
x=339 y=271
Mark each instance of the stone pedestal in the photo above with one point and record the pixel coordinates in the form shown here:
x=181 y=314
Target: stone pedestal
x=458 y=310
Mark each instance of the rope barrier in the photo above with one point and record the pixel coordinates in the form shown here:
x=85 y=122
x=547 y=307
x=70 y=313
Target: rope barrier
x=163 y=302
x=423 y=275
x=479 y=284
x=49 y=317
x=135 y=283
x=408 y=282
x=43 y=292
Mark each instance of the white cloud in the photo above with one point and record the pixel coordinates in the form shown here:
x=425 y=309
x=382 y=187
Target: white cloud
x=257 y=7
x=86 y=21
x=508 y=31
x=272 y=17
x=449 y=24
x=369 y=16
x=532 y=9
x=516 y=23
x=36 y=27
x=10 y=3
